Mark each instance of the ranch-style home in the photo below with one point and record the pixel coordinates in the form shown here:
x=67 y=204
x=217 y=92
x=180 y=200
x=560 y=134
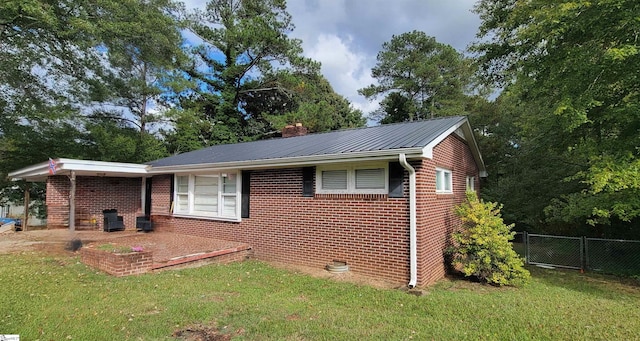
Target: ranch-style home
x=378 y=198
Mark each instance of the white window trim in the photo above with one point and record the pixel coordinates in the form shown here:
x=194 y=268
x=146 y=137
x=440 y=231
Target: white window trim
x=189 y=212
x=471 y=183
x=351 y=178
x=443 y=186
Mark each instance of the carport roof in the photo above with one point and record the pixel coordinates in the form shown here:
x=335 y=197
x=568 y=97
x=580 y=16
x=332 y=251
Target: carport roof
x=39 y=172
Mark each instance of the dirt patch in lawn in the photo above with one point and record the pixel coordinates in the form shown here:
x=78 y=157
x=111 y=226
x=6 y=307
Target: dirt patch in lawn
x=204 y=333
x=47 y=241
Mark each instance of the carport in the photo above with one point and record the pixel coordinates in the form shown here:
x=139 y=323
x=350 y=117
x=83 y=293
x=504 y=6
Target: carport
x=62 y=175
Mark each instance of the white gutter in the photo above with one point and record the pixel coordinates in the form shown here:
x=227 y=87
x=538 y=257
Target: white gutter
x=413 y=243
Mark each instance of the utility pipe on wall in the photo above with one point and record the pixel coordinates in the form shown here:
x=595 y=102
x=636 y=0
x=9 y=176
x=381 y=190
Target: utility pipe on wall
x=413 y=243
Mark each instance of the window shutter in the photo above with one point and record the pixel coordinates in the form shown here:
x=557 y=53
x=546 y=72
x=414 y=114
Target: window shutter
x=172 y=190
x=396 y=180
x=246 y=191
x=308 y=173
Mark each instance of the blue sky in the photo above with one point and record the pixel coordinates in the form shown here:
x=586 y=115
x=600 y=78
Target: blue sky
x=346 y=35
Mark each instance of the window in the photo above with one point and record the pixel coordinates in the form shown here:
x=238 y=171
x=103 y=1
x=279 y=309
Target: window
x=207 y=195
x=443 y=181
x=471 y=183
x=205 y=198
x=229 y=196
x=370 y=178
x=182 y=194
x=334 y=180
x=365 y=178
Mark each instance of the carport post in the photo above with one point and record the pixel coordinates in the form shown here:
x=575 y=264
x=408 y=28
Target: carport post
x=27 y=199
x=72 y=202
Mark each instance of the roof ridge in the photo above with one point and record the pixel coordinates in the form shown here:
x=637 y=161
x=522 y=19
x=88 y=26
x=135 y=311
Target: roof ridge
x=371 y=127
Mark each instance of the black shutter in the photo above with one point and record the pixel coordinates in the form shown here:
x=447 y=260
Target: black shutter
x=246 y=193
x=147 y=196
x=172 y=189
x=396 y=180
x=308 y=174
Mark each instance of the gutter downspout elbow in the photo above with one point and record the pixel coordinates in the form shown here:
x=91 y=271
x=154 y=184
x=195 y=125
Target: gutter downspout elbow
x=413 y=244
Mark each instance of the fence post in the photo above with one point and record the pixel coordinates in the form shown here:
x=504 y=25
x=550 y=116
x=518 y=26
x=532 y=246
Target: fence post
x=525 y=238
x=585 y=263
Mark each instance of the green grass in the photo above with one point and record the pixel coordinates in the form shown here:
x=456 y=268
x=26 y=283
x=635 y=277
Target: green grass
x=109 y=247
x=58 y=298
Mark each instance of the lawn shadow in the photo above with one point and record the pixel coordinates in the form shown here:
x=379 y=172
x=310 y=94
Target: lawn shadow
x=596 y=284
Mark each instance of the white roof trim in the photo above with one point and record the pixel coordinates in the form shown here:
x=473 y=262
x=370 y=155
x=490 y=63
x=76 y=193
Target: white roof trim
x=464 y=125
x=40 y=171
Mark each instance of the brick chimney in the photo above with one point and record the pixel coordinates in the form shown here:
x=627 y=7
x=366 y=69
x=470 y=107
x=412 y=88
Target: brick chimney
x=294 y=130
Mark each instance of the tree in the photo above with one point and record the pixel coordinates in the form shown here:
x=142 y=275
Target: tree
x=55 y=55
x=419 y=77
x=116 y=141
x=571 y=60
x=309 y=99
x=251 y=79
x=142 y=53
x=242 y=40
x=525 y=171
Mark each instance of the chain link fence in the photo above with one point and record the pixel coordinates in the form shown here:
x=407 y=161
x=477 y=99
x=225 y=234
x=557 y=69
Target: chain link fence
x=594 y=254
x=614 y=256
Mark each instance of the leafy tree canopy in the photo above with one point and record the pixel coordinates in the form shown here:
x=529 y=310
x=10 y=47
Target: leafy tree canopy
x=570 y=63
x=251 y=78
x=59 y=59
x=419 y=78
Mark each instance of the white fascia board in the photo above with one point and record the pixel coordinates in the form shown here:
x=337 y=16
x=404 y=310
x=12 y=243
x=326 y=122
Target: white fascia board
x=40 y=171
x=101 y=166
x=427 y=151
x=292 y=162
x=29 y=171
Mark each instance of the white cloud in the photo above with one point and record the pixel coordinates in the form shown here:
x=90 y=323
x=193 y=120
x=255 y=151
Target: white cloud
x=346 y=35
x=346 y=70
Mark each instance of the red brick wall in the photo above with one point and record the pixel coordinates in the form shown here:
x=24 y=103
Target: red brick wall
x=161 y=194
x=369 y=232
x=57 y=201
x=117 y=264
x=161 y=203
x=436 y=217
x=93 y=194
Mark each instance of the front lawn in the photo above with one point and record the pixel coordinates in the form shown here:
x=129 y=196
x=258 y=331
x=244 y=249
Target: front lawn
x=45 y=297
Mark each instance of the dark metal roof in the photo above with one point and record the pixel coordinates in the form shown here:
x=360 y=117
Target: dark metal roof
x=341 y=142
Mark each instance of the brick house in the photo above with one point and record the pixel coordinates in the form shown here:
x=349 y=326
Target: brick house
x=378 y=198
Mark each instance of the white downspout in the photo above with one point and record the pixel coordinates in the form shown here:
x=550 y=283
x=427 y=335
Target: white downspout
x=413 y=243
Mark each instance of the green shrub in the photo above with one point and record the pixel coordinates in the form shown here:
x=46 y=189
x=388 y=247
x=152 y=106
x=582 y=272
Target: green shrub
x=482 y=247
